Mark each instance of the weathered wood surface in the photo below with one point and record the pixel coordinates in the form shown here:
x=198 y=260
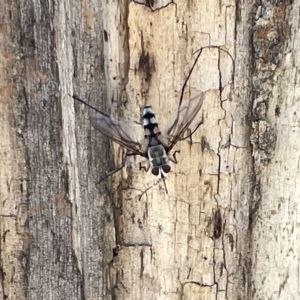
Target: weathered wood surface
x=167 y=241
x=275 y=232
x=227 y=229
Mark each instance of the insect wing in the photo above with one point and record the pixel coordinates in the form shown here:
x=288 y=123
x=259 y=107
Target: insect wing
x=184 y=116
x=124 y=133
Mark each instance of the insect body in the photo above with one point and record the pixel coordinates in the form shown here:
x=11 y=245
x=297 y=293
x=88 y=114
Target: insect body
x=155 y=144
x=156 y=150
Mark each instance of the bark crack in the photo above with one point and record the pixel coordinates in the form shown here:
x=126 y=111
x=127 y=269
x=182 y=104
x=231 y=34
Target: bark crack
x=154 y=4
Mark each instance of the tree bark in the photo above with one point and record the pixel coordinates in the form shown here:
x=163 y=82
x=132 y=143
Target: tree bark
x=275 y=232
x=227 y=228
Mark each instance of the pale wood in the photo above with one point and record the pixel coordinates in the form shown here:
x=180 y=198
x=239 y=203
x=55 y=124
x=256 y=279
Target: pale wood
x=170 y=251
x=228 y=227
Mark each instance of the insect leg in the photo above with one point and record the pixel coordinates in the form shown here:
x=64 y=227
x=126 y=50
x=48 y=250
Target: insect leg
x=145 y=168
x=173 y=157
x=124 y=157
x=112 y=172
x=190 y=134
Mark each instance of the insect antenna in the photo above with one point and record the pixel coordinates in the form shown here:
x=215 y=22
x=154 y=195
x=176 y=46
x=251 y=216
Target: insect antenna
x=90 y=106
x=163 y=178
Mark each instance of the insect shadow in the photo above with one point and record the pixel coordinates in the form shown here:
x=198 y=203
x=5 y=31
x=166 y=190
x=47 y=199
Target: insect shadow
x=155 y=145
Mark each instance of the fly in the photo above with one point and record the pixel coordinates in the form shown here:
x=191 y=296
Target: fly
x=156 y=146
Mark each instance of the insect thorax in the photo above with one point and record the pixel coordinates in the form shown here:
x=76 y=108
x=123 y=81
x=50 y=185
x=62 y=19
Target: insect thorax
x=157 y=155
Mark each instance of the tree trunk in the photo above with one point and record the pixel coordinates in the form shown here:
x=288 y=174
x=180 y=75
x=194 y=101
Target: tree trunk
x=225 y=225
x=275 y=209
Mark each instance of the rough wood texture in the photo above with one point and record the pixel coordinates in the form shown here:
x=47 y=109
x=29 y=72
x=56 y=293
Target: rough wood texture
x=13 y=161
x=177 y=246
x=227 y=229
x=275 y=240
